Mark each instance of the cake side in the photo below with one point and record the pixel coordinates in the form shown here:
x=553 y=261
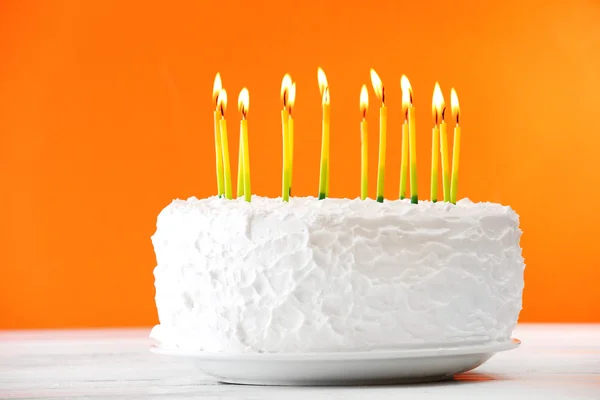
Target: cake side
x=335 y=275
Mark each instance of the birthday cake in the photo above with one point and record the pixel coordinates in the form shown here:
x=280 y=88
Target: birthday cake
x=305 y=275
x=335 y=275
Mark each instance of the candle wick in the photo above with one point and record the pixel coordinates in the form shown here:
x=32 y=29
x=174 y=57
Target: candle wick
x=382 y=94
x=411 y=97
x=326 y=95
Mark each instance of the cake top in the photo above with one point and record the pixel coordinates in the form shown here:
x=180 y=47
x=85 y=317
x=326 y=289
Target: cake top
x=311 y=207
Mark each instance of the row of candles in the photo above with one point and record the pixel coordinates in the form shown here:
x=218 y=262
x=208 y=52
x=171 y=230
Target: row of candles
x=408 y=150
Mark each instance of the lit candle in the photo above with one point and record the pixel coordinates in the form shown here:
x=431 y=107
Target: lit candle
x=436 y=110
x=222 y=104
x=243 y=104
x=291 y=100
x=456 y=147
x=217 y=86
x=286 y=83
x=404 y=161
x=444 y=149
x=380 y=93
x=407 y=95
x=240 y=175
x=364 y=141
x=324 y=170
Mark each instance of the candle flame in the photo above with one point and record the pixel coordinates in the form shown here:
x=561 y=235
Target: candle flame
x=407 y=96
x=286 y=83
x=454 y=105
x=244 y=102
x=291 y=98
x=222 y=101
x=438 y=106
x=364 y=101
x=322 y=79
x=217 y=86
x=377 y=86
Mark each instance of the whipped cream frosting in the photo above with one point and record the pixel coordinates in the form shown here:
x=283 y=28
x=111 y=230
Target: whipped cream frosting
x=334 y=275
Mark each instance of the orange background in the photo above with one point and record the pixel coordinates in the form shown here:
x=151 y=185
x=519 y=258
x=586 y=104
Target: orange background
x=106 y=116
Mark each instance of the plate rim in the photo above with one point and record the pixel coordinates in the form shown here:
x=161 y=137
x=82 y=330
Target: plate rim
x=453 y=350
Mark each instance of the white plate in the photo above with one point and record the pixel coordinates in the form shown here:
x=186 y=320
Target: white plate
x=354 y=368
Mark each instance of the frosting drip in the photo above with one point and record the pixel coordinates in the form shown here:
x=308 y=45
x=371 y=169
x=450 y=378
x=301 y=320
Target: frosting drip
x=334 y=275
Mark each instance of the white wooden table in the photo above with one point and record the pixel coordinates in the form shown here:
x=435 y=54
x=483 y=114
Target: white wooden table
x=554 y=362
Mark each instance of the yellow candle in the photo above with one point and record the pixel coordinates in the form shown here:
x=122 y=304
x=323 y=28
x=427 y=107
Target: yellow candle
x=290 y=151
x=291 y=101
x=222 y=101
x=380 y=93
x=441 y=114
x=435 y=148
x=286 y=83
x=382 y=151
x=436 y=110
x=407 y=101
x=404 y=161
x=285 y=183
x=456 y=145
x=326 y=118
x=445 y=160
x=240 y=176
x=218 y=152
x=324 y=170
x=364 y=142
x=243 y=104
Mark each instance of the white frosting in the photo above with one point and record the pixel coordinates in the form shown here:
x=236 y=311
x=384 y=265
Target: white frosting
x=334 y=275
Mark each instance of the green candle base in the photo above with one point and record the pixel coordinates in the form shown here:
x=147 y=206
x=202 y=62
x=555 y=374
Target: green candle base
x=414 y=199
x=322 y=196
x=434 y=200
x=402 y=197
x=380 y=199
